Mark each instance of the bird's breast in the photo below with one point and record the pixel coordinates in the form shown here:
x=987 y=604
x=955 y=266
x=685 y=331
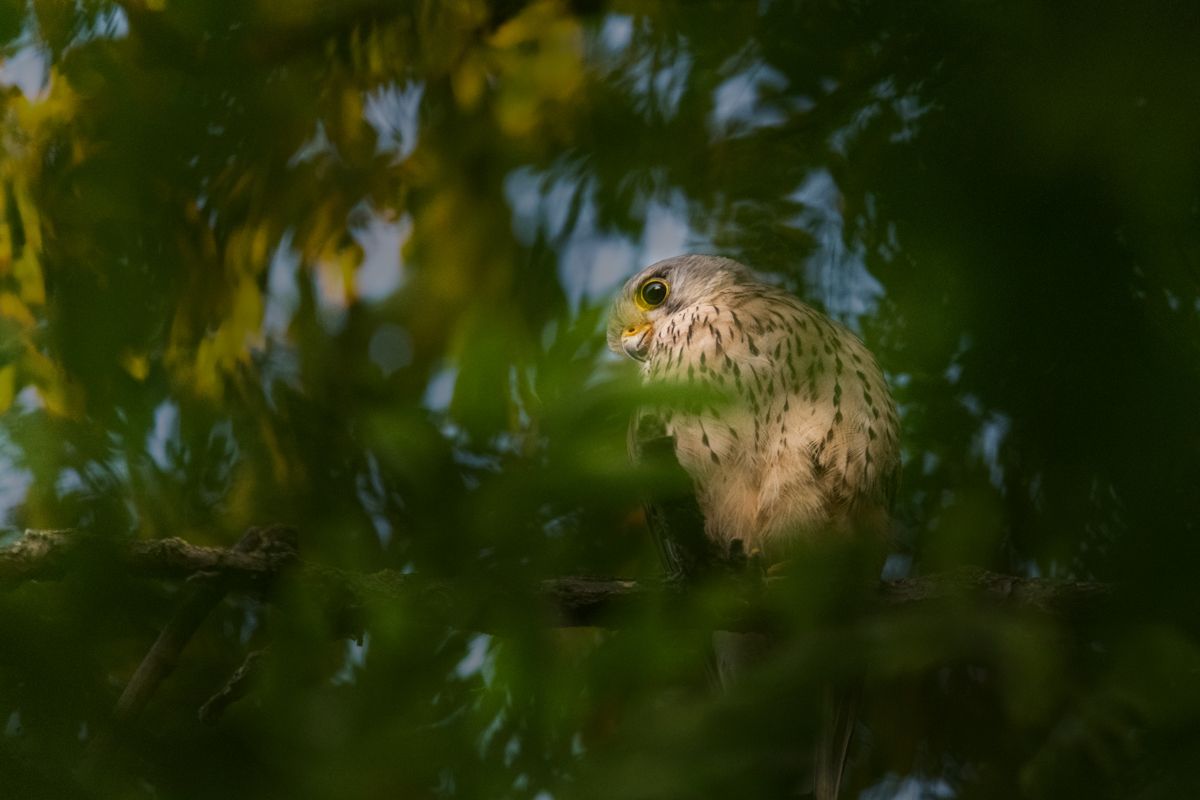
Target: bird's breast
x=783 y=420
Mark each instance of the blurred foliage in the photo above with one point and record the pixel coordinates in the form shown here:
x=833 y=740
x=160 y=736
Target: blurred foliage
x=344 y=266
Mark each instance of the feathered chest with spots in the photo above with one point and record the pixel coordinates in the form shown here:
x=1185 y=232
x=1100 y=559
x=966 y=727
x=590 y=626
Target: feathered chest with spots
x=793 y=429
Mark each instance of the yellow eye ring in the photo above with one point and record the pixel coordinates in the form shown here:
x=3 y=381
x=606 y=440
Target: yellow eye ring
x=653 y=293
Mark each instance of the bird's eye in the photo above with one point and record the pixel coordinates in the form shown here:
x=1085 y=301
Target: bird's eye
x=653 y=293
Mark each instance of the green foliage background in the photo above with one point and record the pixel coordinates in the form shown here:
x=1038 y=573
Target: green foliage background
x=344 y=266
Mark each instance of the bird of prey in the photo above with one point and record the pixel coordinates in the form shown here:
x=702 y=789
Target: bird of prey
x=792 y=434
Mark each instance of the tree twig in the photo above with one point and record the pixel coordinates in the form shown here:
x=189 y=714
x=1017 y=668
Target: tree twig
x=233 y=690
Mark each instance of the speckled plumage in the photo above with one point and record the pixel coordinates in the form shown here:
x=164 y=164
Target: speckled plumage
x=793 y=431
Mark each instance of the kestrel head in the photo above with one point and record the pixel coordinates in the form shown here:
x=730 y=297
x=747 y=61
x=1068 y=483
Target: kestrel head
x=664 y=289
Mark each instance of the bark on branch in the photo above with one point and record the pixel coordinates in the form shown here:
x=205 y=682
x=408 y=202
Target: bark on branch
x=571 y=601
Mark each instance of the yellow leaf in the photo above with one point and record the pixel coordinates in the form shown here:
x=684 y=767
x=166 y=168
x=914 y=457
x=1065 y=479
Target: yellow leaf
x=137 y=365
x=6 y=250
x=468 y=82
x=28 y=273
x=8 y=386
x=201 y=366
x=30 y=219
x=538 y=56
x=59 y=396
x=336 y=272
x=12 y=308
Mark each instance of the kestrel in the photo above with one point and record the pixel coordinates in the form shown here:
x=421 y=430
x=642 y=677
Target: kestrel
x=784 y=423
x=796 y=435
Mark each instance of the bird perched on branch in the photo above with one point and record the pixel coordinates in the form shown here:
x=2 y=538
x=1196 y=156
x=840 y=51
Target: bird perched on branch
x=783 y=419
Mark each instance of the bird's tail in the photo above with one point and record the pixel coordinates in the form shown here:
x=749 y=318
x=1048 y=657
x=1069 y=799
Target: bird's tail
x=839 y=711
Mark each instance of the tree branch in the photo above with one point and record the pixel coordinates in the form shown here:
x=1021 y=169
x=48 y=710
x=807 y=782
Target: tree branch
x=265 y=555
x=573 y=601
x=43 y=554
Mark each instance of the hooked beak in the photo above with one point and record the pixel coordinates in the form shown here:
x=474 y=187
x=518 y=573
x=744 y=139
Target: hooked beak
x=635 y=341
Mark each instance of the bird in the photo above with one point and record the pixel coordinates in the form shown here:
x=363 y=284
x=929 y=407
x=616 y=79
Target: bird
x=781 y=417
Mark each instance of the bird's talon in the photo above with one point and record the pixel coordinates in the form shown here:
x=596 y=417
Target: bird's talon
x=736 y=556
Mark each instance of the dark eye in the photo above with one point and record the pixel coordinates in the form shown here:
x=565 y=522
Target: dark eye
x=653 y=293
